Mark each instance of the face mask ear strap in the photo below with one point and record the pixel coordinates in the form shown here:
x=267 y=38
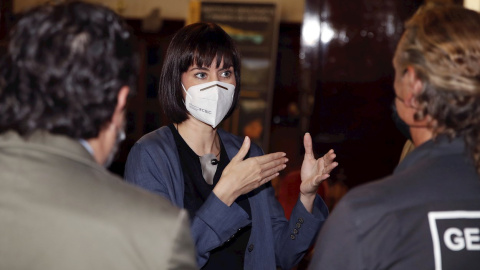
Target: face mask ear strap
x=186 y=92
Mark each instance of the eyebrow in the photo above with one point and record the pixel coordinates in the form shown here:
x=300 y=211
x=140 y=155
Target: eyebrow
x=206 y=68
x=199 y=68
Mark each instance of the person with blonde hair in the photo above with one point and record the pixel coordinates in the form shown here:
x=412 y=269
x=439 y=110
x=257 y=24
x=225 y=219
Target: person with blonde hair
x=427 y=214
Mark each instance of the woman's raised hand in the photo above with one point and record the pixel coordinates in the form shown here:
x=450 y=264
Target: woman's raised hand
x=242 y=176
x=314 y=171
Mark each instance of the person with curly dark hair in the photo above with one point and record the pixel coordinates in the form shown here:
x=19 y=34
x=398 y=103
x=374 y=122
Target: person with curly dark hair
x=64 y=84
x=427 y=214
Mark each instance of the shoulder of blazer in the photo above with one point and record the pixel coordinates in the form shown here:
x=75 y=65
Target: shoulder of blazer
x=52 y=144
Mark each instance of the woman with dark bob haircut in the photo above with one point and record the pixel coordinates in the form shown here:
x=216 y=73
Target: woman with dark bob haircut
x=220 y=179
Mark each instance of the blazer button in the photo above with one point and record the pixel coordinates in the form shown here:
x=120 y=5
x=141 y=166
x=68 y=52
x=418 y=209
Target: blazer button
x=300 y=220
x=295 y=231
x=298 y=225
x=250 y=248
x=292 y=236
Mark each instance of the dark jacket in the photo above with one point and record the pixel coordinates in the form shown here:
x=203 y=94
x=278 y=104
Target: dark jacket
x=413 y=219
x=153 y=163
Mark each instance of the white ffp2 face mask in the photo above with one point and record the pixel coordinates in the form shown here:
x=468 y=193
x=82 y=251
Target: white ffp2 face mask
x=209 y=102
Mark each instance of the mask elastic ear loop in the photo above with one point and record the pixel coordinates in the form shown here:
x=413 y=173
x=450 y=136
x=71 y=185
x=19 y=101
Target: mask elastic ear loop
x=185 y=90
x=186 y=93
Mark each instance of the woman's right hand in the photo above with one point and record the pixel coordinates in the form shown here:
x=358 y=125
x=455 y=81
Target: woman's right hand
x=242 y=176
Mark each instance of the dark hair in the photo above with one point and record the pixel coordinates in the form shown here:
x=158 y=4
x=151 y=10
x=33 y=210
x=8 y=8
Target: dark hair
x=442 y=44
x=63 y=70
x=199 y=44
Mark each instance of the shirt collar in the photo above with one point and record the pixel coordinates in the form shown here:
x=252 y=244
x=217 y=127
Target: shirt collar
x=87 y=146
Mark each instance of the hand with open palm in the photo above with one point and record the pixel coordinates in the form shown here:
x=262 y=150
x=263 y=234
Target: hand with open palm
x=314 y=171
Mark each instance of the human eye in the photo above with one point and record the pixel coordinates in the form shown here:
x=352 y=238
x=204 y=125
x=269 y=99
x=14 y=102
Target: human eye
x=226 y=73
x=201 y=75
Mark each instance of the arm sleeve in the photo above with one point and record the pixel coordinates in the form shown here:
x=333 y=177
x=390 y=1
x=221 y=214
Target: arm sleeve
x=293 y=237
x=214 y=223
x=337 y=245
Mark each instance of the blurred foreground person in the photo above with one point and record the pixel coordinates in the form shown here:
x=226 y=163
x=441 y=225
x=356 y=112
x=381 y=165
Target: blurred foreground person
x=63 y=88
x=427 y=214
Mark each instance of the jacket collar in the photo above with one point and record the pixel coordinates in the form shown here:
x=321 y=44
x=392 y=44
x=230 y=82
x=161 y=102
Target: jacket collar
x=47 y=142
x=440 y=146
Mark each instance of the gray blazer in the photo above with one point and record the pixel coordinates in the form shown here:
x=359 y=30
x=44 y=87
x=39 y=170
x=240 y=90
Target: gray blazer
x=61 y=210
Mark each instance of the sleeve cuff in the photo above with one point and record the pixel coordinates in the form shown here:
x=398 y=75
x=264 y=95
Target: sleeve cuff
x=225 y=221
x=310 y=221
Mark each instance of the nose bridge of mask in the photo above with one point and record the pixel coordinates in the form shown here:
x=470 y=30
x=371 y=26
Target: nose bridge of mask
x=208 y=90
x=211 y=92
x=230 y=88
x=199 y=91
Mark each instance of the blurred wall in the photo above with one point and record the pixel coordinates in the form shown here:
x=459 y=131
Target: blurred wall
x=346 y=54
x=472 y=4
x=291 y=10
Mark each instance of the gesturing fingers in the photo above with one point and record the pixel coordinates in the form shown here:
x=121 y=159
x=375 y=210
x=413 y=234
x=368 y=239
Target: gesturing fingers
x=319 y=179
x=329 y=157
x=268 y=179
x=243 y=150
x=307 y=143
x=328 y=162
x=267 y=172
x=330 y=167
x=265 y=159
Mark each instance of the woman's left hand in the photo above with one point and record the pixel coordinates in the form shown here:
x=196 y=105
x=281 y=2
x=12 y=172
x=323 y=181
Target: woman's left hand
x=314 y=171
